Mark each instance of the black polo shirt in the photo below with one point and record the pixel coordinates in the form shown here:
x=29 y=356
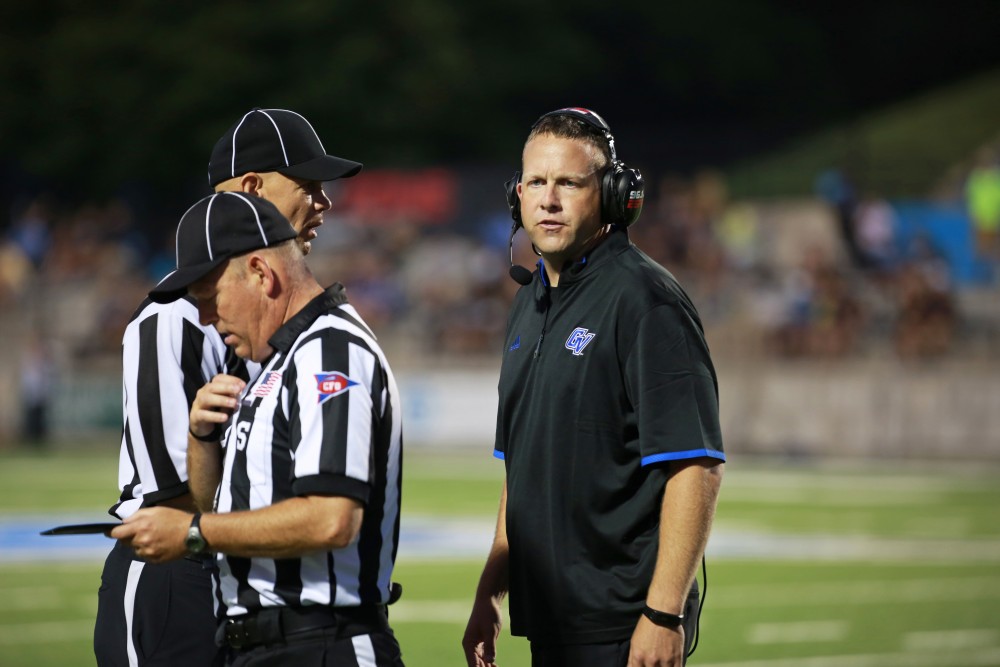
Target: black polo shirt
x=604 y=379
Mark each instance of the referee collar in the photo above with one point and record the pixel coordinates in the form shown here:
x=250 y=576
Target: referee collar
x=335 y=295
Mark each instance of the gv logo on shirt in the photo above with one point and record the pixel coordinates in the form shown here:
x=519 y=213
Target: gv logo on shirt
x=579 y=339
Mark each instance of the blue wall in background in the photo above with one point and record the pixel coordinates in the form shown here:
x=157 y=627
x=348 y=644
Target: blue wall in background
x=949 y=230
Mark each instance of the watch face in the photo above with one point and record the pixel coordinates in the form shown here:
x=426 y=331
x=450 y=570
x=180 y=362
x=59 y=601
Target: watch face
x=195 y=543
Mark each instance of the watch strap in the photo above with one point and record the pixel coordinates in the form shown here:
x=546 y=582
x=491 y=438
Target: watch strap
x=662 y=618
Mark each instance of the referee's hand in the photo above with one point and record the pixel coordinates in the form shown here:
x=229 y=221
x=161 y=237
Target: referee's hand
x=214 y=403
x=156 y=534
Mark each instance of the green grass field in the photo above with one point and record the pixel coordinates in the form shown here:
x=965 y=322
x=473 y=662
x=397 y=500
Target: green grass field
x=810 y=565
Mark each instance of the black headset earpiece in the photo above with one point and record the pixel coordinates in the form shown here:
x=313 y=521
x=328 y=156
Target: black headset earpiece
x=622 y=194
x=513 y=201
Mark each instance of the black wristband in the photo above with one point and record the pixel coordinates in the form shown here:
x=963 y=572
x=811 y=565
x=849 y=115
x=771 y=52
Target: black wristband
x=662 y=618
x=214 y=436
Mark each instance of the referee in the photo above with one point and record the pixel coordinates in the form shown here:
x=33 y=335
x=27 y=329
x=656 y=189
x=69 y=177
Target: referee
x=165 y=614
x=306 y=481
x=160 y=614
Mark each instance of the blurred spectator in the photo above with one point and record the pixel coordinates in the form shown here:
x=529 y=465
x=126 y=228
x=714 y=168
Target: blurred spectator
x=456 y=286
x=982 y=194
x=373 y=288
x=821 y=318
x=37 y=382
x=925 y=324
x=875 y=231
x=739 y=234
x=679 y=231
x=835 y=188
x=16 y=272
x=30 y=230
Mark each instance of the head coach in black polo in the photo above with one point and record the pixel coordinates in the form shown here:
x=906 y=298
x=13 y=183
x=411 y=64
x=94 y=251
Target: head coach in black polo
x=608 y=424
x=304 y=484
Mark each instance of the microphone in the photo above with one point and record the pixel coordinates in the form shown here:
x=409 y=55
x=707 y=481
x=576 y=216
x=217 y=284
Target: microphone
x=518 y=273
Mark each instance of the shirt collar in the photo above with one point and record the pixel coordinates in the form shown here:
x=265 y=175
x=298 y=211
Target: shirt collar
x=616 y=241
x=335 y=295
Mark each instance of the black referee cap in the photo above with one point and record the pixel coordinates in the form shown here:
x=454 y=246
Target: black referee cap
x=216 y=228
x=275 y=140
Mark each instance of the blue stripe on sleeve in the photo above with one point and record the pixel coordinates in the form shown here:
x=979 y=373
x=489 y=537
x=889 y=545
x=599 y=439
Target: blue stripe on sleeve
x=680 y=456
x=498 y=454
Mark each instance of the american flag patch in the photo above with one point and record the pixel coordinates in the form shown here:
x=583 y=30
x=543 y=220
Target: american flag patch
x=267 y=383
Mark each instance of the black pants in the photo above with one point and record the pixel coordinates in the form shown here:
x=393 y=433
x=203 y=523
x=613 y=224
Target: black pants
x=325 y=649
x=612 y=654
x=312 y=637
x=153 y=615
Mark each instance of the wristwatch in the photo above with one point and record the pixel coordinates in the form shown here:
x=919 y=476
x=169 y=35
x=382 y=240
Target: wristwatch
x=195 y=541
x=662 y=618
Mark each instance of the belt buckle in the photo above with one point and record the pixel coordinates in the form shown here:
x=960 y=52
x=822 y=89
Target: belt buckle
x=236 y=634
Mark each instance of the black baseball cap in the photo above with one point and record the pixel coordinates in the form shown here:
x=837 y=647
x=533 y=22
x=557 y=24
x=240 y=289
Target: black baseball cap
x=275 y=140
x=216 y=228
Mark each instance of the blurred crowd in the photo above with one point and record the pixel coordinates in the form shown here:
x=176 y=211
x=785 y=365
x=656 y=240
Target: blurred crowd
x=823 y=277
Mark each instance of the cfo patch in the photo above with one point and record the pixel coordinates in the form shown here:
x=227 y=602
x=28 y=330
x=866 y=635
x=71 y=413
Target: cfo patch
x=332 y=384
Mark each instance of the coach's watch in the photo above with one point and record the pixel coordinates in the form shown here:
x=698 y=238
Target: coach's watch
x=662 y=618
x=195 y=541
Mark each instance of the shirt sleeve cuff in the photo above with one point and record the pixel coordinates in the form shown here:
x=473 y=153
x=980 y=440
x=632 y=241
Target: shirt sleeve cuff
x=161 y=495
x=332 y=485
x=681 y=456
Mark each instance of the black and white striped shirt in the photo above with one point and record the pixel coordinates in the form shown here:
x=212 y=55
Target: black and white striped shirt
x=323 y=418
x=167 y=355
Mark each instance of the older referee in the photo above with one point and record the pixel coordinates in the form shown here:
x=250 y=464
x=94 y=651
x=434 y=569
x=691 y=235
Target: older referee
x=306 y=480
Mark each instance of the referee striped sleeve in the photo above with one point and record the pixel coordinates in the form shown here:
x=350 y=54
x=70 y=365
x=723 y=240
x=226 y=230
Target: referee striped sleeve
x=164 y=476
x=167 y=355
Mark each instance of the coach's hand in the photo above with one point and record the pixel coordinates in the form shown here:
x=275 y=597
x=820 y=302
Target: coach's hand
x=480 y=640
x=215 y=403
x=653 y=646
x=156 y=534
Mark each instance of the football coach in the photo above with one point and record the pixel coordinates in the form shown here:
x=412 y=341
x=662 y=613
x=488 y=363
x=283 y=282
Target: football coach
x=608 y=424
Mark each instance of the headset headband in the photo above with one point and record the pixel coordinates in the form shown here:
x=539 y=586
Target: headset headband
x=589 y=117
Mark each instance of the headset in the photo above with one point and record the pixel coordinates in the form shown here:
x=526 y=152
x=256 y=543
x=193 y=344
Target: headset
x=622 y=189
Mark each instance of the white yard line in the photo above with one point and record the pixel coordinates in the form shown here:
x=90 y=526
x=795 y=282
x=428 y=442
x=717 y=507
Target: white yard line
x=951 y=640
x=797 y=632
x=989 y=657
x=435 y=611
x=45 y=632
x=815 y=594
x=726 y=543
x=756 y=596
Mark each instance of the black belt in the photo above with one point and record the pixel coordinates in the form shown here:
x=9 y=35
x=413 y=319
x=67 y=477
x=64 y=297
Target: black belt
x=277 y=625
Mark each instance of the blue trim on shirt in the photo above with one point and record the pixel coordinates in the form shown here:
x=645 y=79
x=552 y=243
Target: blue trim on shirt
x=679 y=456
x=541 y=272
x=498 y=454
